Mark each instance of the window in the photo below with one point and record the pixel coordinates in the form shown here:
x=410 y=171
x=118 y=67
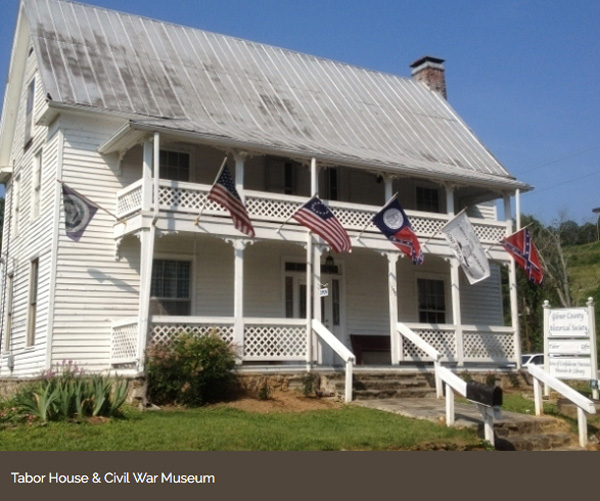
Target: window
x=174 y=165
x=36 y=185
x=170 y=287
x=33 y=296
x=9 y=308
x=29 y=113
x=428 y=199
x=432 y=301
x=332 y=183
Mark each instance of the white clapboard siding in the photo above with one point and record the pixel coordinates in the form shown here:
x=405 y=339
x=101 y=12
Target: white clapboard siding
x=367 y=294
x=481 y=303
x=92 y=287
x=33 y=240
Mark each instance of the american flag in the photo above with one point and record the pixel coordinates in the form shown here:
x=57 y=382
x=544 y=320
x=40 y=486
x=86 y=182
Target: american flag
x=520 y=246
x=318 y=218
x=224 y=193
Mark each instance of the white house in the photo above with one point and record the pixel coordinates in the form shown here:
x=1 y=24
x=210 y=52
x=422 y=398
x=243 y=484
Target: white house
x=137 y=115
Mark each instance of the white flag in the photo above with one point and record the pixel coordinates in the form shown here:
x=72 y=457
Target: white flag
x=461 y=237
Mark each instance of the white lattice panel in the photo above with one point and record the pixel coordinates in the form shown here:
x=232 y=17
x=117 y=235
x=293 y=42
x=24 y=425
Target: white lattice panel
x=124 y=342
x=443 y=341
x=488 y=346
x=184 y=199
x=160 y=333
x=271 y=209
x=490 y=233
x=279 y=342
x=129 y=201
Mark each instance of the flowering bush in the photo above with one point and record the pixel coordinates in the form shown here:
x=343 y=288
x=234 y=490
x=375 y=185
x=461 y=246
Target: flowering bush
x=190 y=370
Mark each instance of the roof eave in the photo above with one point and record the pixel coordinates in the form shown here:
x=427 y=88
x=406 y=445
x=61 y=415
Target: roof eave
x=132 y=133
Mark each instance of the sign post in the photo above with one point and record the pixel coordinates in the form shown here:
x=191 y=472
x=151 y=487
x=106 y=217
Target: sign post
x=570 y=344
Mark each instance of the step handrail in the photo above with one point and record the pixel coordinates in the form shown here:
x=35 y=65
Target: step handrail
x=420 y=343
x=336 y=345
x=583 y=404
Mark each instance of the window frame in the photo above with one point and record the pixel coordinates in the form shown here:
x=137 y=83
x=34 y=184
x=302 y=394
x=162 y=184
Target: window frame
x=446 y=311
x=29 y=110
x=161 y=301
x=424 y=204
x=32 y=302
x=36 y=184
x=175 y=151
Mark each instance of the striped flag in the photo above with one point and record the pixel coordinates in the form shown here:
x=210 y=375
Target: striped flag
x=224 y=193
x=318 y=218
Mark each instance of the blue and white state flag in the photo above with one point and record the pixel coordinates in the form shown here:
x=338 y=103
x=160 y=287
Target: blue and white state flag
x=79 y=211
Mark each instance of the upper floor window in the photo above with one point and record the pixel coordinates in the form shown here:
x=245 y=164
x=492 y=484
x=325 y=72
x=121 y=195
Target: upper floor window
x=428 y=199
x=432 y=301
x=170 y=287
x=28 y=132
x=36 y=185
x=174 y=165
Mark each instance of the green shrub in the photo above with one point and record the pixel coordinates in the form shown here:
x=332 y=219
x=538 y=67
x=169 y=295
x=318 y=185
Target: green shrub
x=65 y=392
x=190 y=370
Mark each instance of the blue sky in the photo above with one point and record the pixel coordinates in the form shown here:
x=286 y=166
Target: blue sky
x=524 y=75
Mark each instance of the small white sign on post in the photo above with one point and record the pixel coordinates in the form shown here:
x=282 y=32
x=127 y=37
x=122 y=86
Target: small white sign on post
x=570 y=344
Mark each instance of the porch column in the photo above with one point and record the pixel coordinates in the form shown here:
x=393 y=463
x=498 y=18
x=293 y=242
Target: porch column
x=388 y=187
x=240 y=158
x=512 y=283
x=147 y=176
x=395 y=338
x=310 y=273
x=456 y=316
x=238 y=295
x=316 y=298
x=455 y=283
x=151 y=165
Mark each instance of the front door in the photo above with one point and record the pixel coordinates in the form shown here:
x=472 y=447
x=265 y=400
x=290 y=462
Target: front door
x=332 y=314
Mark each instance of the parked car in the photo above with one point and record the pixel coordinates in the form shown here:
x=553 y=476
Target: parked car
x=532 y=359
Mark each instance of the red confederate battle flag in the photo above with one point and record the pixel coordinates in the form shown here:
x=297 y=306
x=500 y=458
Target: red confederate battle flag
x=520 y=246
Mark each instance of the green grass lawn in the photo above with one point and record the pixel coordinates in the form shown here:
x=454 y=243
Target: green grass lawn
x=225 y=429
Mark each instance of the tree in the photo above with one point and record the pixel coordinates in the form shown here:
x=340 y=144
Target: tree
x=550 y=242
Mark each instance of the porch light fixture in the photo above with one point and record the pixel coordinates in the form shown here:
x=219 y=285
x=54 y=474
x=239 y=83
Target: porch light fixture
x=329 y=264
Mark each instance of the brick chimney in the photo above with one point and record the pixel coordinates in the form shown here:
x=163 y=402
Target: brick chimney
x=430 y=71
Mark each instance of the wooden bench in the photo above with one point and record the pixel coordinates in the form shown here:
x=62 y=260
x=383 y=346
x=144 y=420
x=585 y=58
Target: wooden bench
x=371 y=349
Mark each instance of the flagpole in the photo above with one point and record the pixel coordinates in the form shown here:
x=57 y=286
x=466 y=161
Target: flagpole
x=206 y=198
x=94 y=203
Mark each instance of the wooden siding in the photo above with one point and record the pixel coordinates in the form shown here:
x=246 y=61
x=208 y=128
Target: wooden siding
x=33 y=239
x=92 y=287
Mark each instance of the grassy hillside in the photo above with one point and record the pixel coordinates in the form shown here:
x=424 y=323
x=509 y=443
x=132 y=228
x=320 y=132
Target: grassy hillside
x=584 y=273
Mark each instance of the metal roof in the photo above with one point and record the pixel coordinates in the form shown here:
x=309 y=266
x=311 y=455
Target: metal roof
x=240 y=92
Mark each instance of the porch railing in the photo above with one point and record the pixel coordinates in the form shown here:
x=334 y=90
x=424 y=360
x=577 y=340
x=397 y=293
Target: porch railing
x=124 y=339
x=583 y=404
x=463 y=343
x=284 y=339
x=190 y=198
x=345 y=354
